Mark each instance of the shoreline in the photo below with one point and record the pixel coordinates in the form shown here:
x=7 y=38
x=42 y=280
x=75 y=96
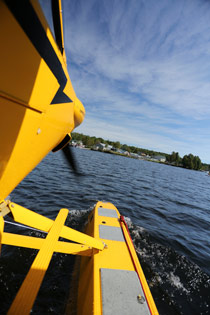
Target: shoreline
x=138 y=158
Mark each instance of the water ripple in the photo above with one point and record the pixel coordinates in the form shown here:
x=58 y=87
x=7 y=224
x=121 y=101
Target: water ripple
x=171 y=205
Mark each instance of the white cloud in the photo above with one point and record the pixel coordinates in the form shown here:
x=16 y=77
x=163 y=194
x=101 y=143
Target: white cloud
x=143 y=62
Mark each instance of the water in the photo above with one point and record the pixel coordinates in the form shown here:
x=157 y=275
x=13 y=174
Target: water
x=167 y=210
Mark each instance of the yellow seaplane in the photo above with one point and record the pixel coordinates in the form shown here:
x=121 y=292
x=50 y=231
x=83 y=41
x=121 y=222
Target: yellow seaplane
x=39 y=109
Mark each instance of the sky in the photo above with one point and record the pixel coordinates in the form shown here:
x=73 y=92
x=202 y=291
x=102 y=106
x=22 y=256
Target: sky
x=142 y=70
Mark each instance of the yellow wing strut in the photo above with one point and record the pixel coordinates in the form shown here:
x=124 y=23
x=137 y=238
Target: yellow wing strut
x=28 y=291
x=1 y=230
x=26 y=296
x=37 y=221
x=37 y=243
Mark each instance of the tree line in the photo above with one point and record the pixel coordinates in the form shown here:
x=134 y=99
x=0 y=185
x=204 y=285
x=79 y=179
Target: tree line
x=188 y=161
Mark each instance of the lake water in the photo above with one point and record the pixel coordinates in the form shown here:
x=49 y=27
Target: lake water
x=167 y=210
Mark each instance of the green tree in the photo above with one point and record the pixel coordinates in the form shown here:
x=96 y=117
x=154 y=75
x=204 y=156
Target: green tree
x=117 y=145
x=197 y=163
x=185 y=161
x=90 y=142
x=192 y=162
x=173 y=158
x=125 y=147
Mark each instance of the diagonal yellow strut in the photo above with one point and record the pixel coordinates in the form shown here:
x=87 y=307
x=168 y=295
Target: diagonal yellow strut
x=35 y=220
x=37 y=243
x=1 y=230
x=27 y=293
x=87 y=246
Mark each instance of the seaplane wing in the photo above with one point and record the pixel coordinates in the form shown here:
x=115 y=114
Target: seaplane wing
x=38 y=105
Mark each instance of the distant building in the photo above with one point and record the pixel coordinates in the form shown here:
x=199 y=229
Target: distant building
x=160 y=158
x=99 y=146
x=108 y=147
x=80 y=145
x=134 y=155
x=73 y=143
x=77 y=144
x=142 y=154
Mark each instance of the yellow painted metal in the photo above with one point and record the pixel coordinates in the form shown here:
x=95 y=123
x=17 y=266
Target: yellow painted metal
x=31 y=124
x=27 y=293
x=37 y=85
x=74 y=249
x=4 y=209
x=35 y=220
x=143 y=280
x=37 y=243
x=1 y=230
x=115 y=256
x=79 y=113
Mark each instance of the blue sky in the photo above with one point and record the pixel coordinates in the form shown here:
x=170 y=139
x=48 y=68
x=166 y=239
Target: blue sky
x=142 y=71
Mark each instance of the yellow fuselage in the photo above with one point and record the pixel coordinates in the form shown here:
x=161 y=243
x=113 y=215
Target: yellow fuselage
x=38 y=105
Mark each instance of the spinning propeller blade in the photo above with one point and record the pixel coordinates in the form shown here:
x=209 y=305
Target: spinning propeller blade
x=69 y=156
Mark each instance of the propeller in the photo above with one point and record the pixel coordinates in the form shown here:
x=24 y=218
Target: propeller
x=69 y=156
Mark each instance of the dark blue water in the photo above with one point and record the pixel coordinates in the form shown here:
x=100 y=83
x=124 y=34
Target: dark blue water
x=168 y=212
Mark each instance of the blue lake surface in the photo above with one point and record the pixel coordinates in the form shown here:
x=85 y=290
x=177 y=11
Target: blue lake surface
x=168 y=213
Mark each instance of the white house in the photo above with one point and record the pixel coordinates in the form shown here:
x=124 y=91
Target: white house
x=108 y=147
x=134 y=155
x=160 y=158
x=99 y=146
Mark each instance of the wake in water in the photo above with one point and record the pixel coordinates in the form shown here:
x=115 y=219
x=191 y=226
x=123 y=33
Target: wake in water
x=177 y=285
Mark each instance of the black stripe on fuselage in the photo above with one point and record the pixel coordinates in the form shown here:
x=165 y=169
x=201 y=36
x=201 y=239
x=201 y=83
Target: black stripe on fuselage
x=24 y=13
